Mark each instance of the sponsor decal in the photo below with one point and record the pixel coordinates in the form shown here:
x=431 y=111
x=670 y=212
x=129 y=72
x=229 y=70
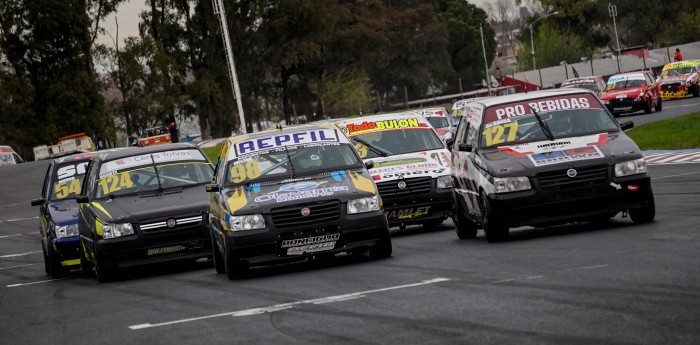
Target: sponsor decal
x=399 y=162
x=633 y=188
x=504 y=111
x=111 y=167
x=571 y=173
x=622 y=108
x=562 y=156
x=171 y=223
x=174 y=249
x=305 y=211
x=615 y=185
x=578 y=82
x=414 y=172
x=673 y=94
x=282 y=196
x=311 y=248
x=401 y=185
x=408 y=213
x=300 y=186
x=70 y=171
x=299 y=242
x=372 y=126
x=281 y=140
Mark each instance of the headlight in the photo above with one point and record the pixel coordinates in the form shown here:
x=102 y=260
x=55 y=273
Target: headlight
x=363 y=205
x=117 y=230
x=511 y=184
x=248 y=222
x=444 y=182
x=67 y=231
x=637 y=166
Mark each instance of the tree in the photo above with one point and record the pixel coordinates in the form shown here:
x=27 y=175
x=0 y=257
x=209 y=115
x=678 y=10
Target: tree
x=552 y=46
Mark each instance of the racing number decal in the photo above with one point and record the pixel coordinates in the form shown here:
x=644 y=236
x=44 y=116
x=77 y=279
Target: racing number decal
x=494 y=134
x=242 y=172
x=113 y=183
x=66 y=188
x=361 y=149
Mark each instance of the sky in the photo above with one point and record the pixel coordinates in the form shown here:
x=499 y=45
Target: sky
x=128 y=18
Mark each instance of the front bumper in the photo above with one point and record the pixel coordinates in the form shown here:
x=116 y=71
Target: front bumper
x=417 y=209
x=625 y=105
x=538 y=207
x=671 y=91
x=66 y=250
x=355 y=232
x=155 y=247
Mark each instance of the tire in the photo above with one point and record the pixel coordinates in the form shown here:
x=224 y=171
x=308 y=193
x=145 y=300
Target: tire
x=104 y=274
x=659 y=105
x=47 y=267
x=495 y=231
x=647 y=106
x=219 y=263
x=465 y=228
x=696 y=90
x=55 y=270
x=85 y=265
x=235 y=269
x=645 y=214
x=432 y=223
x=382 y=250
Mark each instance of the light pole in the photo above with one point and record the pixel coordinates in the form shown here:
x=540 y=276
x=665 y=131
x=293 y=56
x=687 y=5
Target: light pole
x=532 y=42
x=486 y=63
x=612 y=10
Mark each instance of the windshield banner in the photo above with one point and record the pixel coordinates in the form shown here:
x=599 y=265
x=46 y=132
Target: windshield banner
x=280 y=140
x=544 y=105
x=357 y=128
x=112 y=167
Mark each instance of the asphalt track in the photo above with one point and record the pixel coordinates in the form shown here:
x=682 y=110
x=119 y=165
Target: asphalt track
x=615 y=283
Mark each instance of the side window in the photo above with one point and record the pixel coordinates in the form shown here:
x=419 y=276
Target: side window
x=47 y=182
x=89 y=179
x=461 y=131
x=219 y=172
x=472 y=136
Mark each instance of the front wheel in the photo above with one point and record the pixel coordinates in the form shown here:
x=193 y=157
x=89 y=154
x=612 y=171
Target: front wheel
x=495 y=230
x=382 y=250
x=647 y=106
x=219 y=264
x=235 y=269
x=696 y=90
x=53 y=266
x=659 y=104
x=465 y=228
x=645 y=214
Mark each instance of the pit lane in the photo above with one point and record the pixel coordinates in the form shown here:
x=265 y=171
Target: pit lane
x=611 y=283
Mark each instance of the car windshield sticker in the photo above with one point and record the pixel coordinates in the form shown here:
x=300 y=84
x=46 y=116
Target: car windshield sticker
x=114 y=183
x=678 y=65
x=565 y=156
x=111 y=167
x=296 y=192
x=500 y=133
x=245 y=171
x=578 y=81
x=618 y=78
x=281 y=140
x=67 y=188
x=552 y=104
x=352 y=129
x=68 y=180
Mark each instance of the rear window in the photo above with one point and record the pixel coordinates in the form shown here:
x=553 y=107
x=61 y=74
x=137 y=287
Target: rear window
x=392 y=137
x=68 y=177
x=438 y=121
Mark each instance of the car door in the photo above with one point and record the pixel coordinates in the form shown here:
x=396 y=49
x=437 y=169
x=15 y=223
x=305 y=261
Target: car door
x=44 y=213
x=86 y=215
x=463 y=158
x=652 y=88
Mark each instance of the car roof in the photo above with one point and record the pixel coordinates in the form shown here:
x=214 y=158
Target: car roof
x=380 y=117
x=307 y=127
x=133 y=151
x=524 y=96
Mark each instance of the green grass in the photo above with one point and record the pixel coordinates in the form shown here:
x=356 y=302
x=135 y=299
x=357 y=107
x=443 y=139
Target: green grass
x=212 y=152
x=681 y=132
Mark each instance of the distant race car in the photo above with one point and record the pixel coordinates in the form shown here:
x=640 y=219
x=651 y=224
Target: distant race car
x=441 y=120
x=459 y=108
x=8 y=156
x=154 y=136
x=593 y=83
x=631 y=92
x=679 y=79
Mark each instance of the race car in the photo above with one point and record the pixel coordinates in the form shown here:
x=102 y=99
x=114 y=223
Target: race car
x=141 y=206
x=411 y=166
x=291 y=194
x=58 y=212
x=631 y=92
x=8 y=156
x=593 y=83
x=679 y=79
x=154 y=136
x=458 y=108
x=441 y=121
x=544 y=158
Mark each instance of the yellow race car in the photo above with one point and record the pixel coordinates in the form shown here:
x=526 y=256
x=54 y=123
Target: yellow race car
x=679 y=79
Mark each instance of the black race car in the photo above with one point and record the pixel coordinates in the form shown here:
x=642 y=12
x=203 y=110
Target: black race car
x=143 y=205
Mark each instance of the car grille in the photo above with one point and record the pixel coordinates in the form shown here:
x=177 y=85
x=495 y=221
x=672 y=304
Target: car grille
x=414 y=186
x=319 y=212
x=585 y=177
x=670 y=87
x=621 y=102
x=161 y=224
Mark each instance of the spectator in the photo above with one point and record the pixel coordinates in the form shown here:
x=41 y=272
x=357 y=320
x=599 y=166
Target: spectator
x=677 y=56
x=172 y=127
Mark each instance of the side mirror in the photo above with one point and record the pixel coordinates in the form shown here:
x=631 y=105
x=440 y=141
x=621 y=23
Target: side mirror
x=82 y=199
x=464 y=147
x=450 y=143
x=369 y=165
x=212 y=188
x=627 y=125
x=38 y=202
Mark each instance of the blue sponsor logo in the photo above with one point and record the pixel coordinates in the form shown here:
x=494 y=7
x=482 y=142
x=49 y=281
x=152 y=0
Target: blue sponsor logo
x=308 y=137
x=299 y=186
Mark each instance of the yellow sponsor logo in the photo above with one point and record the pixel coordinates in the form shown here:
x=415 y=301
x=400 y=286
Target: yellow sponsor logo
x=673 y=94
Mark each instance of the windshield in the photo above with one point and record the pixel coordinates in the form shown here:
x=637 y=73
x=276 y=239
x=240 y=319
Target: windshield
x=565 y=116
x=291 y=162
x=677 y=71
x=438 y=121
x=625 y=82
x=68 y=178
x=153 y=172
x=395 y=142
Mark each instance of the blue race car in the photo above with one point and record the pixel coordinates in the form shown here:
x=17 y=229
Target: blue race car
x=59 y=213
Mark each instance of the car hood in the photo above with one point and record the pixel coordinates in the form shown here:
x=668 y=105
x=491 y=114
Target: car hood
x=64 y=212
x=677 y=78
x=532 y=158
x=427 y=163
x=630 y=92
x=137 y=208
x=341 y=185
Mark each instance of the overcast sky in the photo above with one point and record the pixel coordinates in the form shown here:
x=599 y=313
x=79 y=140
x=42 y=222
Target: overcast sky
x=128 y=17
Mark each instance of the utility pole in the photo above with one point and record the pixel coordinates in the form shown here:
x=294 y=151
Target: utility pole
x=612 y=10
x=219 y=10
x=486 y=63
x=532 y=43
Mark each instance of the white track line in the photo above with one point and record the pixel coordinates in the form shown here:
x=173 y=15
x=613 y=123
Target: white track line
x=39 y=282
x=278 y=307
x=7 y=268
x=586 y=267
x=514 y=279
x=20 y=254
x=18 y=219
x=662 y=177
x=4 y=236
